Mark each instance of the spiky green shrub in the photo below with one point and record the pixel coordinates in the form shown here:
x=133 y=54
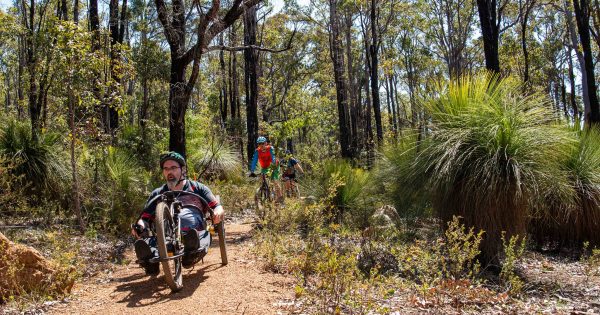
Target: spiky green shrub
x=407 y=193
x=143 y=144
x=215 y=160
x=12 y=193
x=41 y=163
x=343 y=188
x=117 y=188
x=573 y=223
x=491 y=154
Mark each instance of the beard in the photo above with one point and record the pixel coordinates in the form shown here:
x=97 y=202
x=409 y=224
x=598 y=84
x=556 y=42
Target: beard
x=172 y=182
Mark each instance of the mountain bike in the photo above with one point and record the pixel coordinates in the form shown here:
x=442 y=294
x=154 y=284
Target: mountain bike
x=265 y=194
x=167 y=229
x=293 y=191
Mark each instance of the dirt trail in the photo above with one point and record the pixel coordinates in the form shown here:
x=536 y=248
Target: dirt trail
x=241 y=287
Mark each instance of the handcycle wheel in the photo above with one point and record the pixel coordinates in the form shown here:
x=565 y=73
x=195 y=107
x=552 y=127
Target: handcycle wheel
x=220 y=227
x=165 y=234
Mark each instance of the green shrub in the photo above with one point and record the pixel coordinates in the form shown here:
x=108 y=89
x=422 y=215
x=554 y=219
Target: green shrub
x=215 y=160
x=492 y=154
x=572 y=222
x=408 y=194
x=12 y=192
x=117 y=189
x=41 y=164
x=513 y=251
x=453 y=257
x=342 y=189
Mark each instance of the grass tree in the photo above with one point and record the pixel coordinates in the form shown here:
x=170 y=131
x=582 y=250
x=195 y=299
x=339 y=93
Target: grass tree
x=492 y=154
x=573 y=223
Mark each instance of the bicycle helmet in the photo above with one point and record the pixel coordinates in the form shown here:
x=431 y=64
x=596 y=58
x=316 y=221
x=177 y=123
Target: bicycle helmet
x=261 y=140
x=172 y=155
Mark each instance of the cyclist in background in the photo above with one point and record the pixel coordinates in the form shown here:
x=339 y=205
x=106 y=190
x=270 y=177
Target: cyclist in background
x=265 y=156
x=290 y=166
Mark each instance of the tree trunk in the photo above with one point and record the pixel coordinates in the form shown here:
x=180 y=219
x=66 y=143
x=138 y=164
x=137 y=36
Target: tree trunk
x=234 y=89
x=352 y=101
x=75 y=187
x=76 y=12
x=573 y=88
x=251 y=78
x=374 y=50
x=340 y=79
x=20 y=70
x=116 y=27
x=94 y=24
x=528 y=8
x=143 y=111
x=223 y=91
x=178 y=102
x=580 y=59
x=563 y=97
x=582 y=15
x=393 y=105
x=35 y=107
x=209 y=25
x=64 y=14
x=490 y=33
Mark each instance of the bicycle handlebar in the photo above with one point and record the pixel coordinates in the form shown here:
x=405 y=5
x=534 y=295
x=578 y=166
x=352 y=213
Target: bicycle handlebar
x=173 y=194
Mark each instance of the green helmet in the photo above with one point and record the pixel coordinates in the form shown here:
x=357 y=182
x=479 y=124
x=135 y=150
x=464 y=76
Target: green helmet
x=172 y=155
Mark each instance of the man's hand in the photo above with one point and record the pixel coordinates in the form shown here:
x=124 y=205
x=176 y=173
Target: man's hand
x=218 y=214
x=136 y=230
x=252 y=174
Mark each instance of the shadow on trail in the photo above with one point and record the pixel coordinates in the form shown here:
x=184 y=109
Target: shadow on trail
x=143 y=290
x=235 y=237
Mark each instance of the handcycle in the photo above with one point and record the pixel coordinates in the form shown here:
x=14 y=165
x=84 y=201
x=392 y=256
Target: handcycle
x=167 y=229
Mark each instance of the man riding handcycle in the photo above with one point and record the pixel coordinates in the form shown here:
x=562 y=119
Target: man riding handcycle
x=172 y=228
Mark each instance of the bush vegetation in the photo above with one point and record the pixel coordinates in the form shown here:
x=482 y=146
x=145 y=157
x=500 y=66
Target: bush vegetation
x=490 y=167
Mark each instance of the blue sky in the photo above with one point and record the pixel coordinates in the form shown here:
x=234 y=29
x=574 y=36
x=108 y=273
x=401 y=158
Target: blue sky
x=278 y=4
x=5 y=4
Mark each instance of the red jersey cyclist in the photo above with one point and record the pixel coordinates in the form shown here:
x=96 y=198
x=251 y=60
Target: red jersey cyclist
x=265 y=156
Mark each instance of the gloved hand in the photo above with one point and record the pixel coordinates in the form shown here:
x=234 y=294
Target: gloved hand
x=252 y=174
x=138 y=230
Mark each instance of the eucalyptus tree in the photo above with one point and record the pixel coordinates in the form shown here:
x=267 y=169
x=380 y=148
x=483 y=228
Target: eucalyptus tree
x=209 y=22
x=251 y=72
x=285 y=76
x=337 y=57
x=150 y=59
x=377 y=29
x=526 y=8
x=582 y=15
x=491 y=15
x=9 y=53
x=116 y=25
x=451 y=26
x=38 y=56
x=595 y=30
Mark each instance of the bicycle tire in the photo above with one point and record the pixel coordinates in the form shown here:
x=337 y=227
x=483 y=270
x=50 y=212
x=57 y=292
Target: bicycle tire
x=296 y=190
x=266 y=191
x=257 y=198
x=164 y=233
x=222 y=245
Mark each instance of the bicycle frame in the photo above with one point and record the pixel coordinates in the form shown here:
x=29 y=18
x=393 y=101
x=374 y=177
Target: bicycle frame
x=175 y=207
x=265 y=189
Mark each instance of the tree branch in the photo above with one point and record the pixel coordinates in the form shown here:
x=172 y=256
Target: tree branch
x=253 y=47
x=163 y=16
